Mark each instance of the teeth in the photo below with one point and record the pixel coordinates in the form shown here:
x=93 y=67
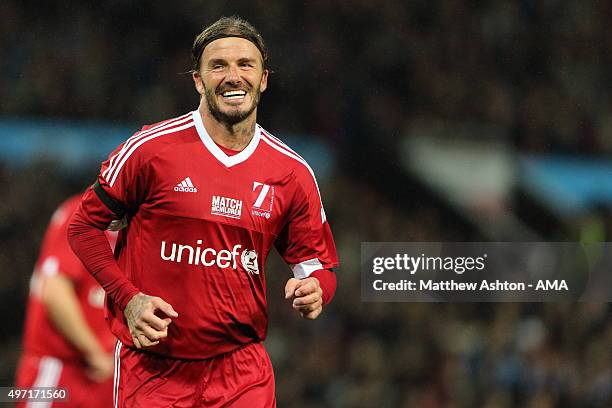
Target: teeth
x=234 y=93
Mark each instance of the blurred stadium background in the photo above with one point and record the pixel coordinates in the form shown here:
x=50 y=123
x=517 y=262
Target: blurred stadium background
x=424 y=120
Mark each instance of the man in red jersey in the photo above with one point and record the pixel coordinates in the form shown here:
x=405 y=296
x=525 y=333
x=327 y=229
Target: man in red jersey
x=66 y=343
x=205 y=196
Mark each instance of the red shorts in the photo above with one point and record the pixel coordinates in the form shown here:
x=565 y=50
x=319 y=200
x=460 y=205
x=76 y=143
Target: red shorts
x=240 y=378
x=46 y=371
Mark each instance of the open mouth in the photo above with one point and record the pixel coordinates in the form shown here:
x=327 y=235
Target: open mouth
x=235 y=94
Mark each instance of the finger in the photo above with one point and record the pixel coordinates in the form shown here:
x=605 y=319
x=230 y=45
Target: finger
x=303 y=286
x=155 y=335
x=139 y=325
x=290 y=287
x=308 y=286
x=136 y=342
x=309 y=308
x=312 y=315
x=154 y=321
x=308 y=299
x=165 y=307
x=145 y=342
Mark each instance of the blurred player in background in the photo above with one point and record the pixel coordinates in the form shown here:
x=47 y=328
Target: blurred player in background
x=206 y=195
x=66 y=343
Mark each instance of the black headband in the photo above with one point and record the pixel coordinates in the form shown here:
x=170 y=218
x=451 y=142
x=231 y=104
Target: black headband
x=224 y=35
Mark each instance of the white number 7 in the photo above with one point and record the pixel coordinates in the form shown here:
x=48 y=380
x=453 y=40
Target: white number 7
x=262 y=194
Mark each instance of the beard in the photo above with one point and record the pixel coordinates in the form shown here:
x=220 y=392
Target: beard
x=233 y=115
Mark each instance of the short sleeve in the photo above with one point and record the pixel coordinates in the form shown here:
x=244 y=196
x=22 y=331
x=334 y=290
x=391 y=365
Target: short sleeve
x=306 y=242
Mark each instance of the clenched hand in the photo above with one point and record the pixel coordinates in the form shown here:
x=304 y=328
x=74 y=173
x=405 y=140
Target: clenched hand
x=146 y=328
x=307 y=296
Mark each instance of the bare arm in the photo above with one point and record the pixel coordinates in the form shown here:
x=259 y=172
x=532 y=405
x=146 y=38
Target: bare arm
x=65 y=313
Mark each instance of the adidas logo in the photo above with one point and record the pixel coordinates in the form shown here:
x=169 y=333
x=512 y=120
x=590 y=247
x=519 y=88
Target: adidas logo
x=186 y=186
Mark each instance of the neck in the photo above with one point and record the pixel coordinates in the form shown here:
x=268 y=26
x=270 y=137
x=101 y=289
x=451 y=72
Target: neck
x=234 y=137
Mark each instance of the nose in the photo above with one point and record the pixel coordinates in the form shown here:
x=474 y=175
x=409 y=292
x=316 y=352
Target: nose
x=233 y=74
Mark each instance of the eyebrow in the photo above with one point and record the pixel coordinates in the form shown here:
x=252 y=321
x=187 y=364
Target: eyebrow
x=223 y=61
x=216 y=61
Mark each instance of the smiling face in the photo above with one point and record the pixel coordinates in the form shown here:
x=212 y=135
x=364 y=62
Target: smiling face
x=231 y=77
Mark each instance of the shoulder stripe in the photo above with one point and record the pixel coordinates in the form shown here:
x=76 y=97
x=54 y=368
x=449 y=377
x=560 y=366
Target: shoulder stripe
x=286 y=152
x=163 y=125
x=295 y=156
x=137 y=144
x=281 y=143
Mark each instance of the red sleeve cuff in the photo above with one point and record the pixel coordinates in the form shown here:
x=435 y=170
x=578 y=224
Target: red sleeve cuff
x=327 y=281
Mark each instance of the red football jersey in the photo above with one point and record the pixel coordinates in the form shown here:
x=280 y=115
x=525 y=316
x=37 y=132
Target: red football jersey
x=56 y=257
x=201 y=224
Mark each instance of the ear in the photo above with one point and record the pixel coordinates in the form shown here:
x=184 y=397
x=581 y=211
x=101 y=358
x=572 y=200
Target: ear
x=263 y=85
x=197 y=81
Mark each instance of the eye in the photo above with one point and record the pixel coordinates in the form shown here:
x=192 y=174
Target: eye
x=217 y=66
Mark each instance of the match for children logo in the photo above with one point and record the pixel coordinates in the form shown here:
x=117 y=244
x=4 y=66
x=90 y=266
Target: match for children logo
x=226 y=207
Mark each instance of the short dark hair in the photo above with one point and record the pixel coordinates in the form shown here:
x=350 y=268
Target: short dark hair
x=233 y=26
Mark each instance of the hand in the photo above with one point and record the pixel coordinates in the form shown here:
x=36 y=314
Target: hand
x=146 y=328
x=307 y=296
x=100 y=366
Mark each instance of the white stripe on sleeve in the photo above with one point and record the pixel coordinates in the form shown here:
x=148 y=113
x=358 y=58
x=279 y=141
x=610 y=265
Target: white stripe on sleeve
x=299 y=159
x=305 y=268
x=139 y=135
x=113 y=176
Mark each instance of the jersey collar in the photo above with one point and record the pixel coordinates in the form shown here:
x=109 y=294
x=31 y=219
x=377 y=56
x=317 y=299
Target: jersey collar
x=219 y=154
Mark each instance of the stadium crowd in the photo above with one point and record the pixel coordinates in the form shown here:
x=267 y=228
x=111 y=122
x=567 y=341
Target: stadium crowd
x=532 y=72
